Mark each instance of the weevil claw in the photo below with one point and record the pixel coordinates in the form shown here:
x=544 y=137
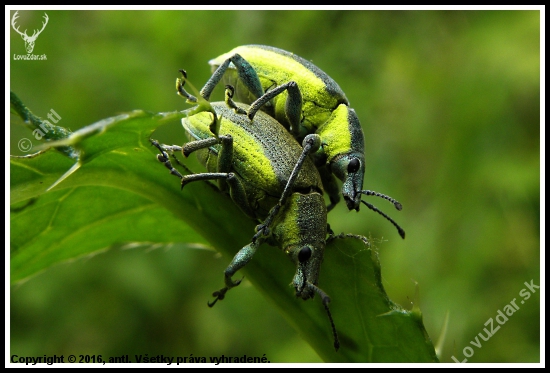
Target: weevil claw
x=219 y=295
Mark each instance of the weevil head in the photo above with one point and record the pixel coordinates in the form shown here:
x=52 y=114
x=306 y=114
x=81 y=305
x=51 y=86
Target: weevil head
x=343 y=148
x=350 y=168
x=308 y=264
x=301 y=232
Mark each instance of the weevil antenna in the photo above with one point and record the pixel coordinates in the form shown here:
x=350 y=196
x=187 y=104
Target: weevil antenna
x=326 y=300
x=397 y=205
x=399 y=229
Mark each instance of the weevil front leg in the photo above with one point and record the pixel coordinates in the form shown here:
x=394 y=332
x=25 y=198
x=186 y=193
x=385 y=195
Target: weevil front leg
x=247 y=76
x=239 y=261
x=310 y=144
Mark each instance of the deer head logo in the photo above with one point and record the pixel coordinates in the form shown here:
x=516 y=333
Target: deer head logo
x=29 y=40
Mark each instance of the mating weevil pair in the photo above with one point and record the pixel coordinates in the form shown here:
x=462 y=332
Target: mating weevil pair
x=282 y=187
x=255 y=169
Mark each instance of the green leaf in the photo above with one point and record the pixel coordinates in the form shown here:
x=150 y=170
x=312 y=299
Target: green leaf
x=117 y=194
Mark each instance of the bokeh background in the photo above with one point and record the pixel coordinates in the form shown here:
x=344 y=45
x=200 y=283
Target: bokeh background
x=450 y=106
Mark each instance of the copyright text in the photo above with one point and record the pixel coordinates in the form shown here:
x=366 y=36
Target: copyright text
x=158 y=359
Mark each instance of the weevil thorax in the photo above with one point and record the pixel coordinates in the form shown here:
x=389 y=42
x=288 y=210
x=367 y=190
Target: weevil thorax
x=301 y=230
x=343 y=149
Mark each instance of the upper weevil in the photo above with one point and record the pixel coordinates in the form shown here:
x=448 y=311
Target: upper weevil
x=311 y=105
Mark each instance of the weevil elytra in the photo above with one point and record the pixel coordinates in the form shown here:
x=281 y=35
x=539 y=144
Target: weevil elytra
x=254 y=168
x=311 y=105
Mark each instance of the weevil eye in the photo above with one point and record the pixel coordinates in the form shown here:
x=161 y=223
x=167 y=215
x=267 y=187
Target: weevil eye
x=353 y=166
x=304 y=254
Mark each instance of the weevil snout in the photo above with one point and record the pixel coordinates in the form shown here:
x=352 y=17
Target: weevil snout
x=353 y=202
x=307 y=271
x=306 y=289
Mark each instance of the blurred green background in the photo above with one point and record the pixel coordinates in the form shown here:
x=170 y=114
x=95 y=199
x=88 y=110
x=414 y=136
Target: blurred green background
x=450 y=106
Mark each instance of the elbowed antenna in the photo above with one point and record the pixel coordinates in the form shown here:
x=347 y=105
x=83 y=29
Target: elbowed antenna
x=397 y=205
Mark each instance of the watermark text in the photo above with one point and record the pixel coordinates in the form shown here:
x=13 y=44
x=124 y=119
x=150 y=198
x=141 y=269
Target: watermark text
x=25 y=145
x=493 y=324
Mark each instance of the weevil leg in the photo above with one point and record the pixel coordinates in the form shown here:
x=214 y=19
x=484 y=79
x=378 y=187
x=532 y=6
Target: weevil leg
x=246 y=72
x=225 y=155
x=192 y=146
x=330 y=185
x=165 y=159
x=310 y=144
x=237 y=191
x=186 y=150
x=293 y=105
x=202 y=104
x=182 y=92
x=223 y=174
x=225 y=140
x=239 y=261
x=229 y=92
x=203 y=177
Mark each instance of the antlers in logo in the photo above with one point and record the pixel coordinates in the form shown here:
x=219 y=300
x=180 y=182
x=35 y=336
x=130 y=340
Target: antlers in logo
x=29 y=40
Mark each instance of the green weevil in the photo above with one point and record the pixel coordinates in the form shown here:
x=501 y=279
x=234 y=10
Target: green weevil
x=255 y=169
x=311 y=105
